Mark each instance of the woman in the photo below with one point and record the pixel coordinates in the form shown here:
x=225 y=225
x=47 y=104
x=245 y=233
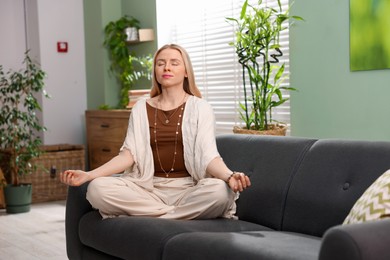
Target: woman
x=171 y=165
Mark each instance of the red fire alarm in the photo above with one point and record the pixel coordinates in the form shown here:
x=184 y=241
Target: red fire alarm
x=62 y=47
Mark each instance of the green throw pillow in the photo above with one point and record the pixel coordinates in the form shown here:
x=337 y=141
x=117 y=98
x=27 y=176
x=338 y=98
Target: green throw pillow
x=374 y=203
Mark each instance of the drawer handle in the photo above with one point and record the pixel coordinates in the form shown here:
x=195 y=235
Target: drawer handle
x=106 y=150
x=105 y=125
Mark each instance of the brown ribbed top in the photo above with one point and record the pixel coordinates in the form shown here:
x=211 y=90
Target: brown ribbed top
x=166 y=134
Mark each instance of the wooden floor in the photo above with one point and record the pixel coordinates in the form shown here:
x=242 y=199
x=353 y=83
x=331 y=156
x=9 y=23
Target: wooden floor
x=36 y=235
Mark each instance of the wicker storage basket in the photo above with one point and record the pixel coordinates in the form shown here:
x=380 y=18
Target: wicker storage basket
x=46 y=185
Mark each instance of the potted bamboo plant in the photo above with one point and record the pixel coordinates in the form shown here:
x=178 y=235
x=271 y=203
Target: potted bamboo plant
x=258 y=50
x=127 y=67
x=19 y=130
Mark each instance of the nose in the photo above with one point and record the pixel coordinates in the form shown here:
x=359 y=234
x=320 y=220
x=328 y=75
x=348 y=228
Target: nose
x=167 y=67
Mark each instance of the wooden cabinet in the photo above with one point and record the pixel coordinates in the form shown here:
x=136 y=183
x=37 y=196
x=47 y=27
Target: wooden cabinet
x=106 y=131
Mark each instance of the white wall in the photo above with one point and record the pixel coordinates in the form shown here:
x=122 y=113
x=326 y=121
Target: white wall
x=63 y=114
x=50 y=21
x=13 y=40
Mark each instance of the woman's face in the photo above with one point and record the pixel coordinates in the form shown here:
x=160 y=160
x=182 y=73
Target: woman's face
x=170 y=69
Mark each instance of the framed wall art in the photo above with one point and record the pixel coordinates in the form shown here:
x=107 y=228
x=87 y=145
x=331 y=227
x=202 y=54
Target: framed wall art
x=369 y=34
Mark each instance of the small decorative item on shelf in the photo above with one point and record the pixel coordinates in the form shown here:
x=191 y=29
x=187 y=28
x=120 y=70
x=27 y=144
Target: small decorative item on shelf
x=146 y=35
x=132 y=34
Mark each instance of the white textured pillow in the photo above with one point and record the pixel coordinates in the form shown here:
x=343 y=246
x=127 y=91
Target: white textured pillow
x=374 y=203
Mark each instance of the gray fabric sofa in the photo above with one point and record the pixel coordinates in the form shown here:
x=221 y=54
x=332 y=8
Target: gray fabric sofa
x=302 y=189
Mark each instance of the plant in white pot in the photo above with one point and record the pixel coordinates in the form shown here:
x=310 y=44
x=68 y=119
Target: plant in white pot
x=258 y=49
x=19 y=129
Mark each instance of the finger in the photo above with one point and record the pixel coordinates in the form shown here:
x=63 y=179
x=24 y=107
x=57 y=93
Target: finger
x=241 y=178
x=234 y=187
x=69 y=177
x=243 y=181
x=248 y=181
x=238 y=175
x=240 y=186
x=64 y=176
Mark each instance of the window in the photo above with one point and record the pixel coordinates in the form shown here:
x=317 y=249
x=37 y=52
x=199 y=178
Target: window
x=202 y=29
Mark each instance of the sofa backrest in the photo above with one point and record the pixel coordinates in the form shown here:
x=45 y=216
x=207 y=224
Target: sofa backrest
x=331 y=177
x=270 y=162
x=301 y=184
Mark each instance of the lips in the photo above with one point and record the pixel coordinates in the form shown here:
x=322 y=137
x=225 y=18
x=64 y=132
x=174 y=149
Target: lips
x=167 y=76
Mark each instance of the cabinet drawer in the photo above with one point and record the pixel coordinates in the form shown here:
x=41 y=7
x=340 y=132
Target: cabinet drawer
x=102 y=152
x=107 y=129
x=106 y=132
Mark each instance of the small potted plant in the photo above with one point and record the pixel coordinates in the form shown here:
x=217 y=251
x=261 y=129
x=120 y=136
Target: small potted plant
x=19 y=130
x=258 y=49
x=127 y=67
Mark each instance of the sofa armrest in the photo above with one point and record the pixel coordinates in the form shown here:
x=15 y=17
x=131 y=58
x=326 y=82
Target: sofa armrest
x=369 y=240
x=76 y=206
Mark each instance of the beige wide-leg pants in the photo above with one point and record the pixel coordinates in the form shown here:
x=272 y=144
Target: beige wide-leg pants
x=171 y=198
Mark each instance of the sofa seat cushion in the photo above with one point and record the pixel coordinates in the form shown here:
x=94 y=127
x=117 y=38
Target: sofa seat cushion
x=145 y=237
x=242 y=245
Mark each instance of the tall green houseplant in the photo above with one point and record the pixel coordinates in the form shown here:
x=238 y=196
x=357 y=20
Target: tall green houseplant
x=258 y=49
x=127 y=67
x=19 y=123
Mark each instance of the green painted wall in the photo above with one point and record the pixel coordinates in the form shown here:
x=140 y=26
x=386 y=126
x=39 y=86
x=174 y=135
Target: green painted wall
x=102 y=87
x=332 y=101
x=94 y=54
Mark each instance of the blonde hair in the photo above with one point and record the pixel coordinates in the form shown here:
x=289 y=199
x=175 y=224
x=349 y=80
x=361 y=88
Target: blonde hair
x=189 y=85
